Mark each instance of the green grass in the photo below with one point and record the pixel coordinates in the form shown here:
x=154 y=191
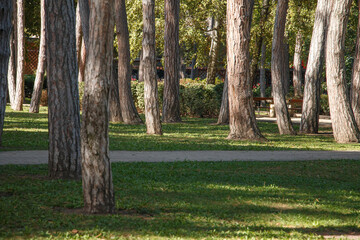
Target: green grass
x=189 y=200
x=26 y=131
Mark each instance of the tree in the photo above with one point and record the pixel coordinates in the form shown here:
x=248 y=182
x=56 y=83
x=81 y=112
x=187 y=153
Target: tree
x=224 y=109
x=242 y=116
x=278 y=75
x=20 y=63
x=152 y=113
x=12 y=60
x=80 y=45
x=355 y=88
x=214 y=50
x=171 y=101
x=311 y=100
x=96 y=168
x=114 y=99
x=127 y=105
x=263 y=70
x=63 y=96
x=5 y=31
x=297 y=74
x=343 y=120
x=40 y=72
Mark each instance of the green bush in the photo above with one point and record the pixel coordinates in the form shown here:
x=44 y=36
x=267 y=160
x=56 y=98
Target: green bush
x=324 y=104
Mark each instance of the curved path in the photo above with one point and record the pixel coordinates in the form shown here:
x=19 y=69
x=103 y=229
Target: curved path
x=40 y=157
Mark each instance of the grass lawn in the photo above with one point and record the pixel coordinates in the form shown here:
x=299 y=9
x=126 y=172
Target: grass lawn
x=25 y=131
x=189 y=200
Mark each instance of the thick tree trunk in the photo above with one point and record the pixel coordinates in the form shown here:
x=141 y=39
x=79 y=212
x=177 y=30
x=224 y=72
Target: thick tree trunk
x=114 y=100
x=171 y=101
x=311 y=100
x=278 y=75
x=127 y=105
x=224 y=109
x=355 y=88
x=40 y=72
x=262 y=70
x=63 y=96
x=84 y=19
x=152 y=112
x=214 y=50
x=96 y=167
x=342 y=117
x=5 y=31
x=12 y=61
x=297 y=74
x=20 y=63
x=242 y=116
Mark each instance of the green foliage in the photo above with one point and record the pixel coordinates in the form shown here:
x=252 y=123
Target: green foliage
x=188 y=200
x=324 y=104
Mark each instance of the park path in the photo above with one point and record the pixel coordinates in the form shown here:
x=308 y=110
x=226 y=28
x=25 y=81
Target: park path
x=41 y=157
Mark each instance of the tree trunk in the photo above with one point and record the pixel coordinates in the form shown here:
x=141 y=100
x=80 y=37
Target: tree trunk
x=20 y=66
x=114 y=100
x=214 y=49
x=224 y=109
x=5 y=32
x=355 y=88
x=342 y=117
x=297 y=74
x=171 y=101
x=96 y=167
x=311 y=100
x=12 y=61
x=80 y=45
x=242 y=116
x=152 y=112
x=141 y=68
x=262 y=70
x=127 y=105
x=286 y=64
x=278 y=75
x=84 y=19
x=40 y=72
x=63 y=96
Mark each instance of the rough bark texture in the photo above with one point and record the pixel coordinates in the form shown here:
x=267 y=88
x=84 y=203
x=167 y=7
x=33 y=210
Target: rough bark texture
x=343 y=121
x=141 y=68
x=242 y=116
x=311 y=100
x=171 y=98
x=5 y=31
x=114 y=100
x=286 y=63
x=40 y=71
x=214 y=50
x=297 y=73
x=262 y=70
x=63 y=96
x=278 y=72
x=152 y=112
x=80 y=47
x=84 y=19
x=20 y=63
x=12 y=61
x=127 y=105
x=224 y=109
x=96 y=168
x=355 y=88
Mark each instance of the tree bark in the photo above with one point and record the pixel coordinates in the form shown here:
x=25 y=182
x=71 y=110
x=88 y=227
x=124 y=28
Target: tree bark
x=63 y=96
x=80 y=45
x=171 y=99
x=5 y=32
x=286 y=64
x=262 y=70
x=20 y=66
x=40 y=72
x=127 y=105
x=242 y=116
x=114 y=102
x=342 y=117
x=152 y=112
x=278 y=75
x=224 y=109
x=214 y=50
x=13 y=56
x=96 y=168
x=297 y=74
x=311 y=100
x=141 y=68
x=84 y=19
x=355 y=88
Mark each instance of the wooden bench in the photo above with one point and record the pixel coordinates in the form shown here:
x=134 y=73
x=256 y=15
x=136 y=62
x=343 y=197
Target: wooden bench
x=294 y=105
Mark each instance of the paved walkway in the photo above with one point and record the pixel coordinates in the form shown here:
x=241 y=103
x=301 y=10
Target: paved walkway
x=40 y=157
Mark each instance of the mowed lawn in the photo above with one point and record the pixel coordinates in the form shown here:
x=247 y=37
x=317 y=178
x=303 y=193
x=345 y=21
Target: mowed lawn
x=26 y=131
x=189 y=200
